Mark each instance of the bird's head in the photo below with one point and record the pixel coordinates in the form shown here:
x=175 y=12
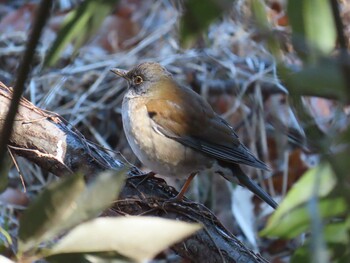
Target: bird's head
x=144 y=76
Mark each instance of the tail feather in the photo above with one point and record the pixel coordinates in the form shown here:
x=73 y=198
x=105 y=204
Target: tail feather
x=251 y=185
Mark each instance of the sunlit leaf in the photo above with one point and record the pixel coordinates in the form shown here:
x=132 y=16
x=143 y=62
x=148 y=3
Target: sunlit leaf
x=337 y=232
x=318 y=181
x=321 y=177
x=77 y=205
x=260 y=15
x=138 y=238
x=261 y=19
x=98 y=196
x=6 y=236
x=42 y=219
x=299 y=220
x=313 y=27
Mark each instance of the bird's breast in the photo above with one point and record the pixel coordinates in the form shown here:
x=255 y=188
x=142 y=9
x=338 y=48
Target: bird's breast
x=159 y=153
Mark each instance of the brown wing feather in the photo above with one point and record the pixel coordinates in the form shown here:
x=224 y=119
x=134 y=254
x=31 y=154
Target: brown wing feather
x=177 y=117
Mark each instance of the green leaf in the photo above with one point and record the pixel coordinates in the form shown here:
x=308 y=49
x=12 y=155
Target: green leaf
x=78 y=204
x=98 y=196
x=304 y=189
x=260 y=15
x=138 y=238
x=299 y=220
x=79 y=25
x=197 y=17
x=337 y=232
x=259 y=10
x=284 y=222
x=337 y=240
x=6 y=236
x=41 y=221
x=322 y=80
x=313 y=27
x=302 y=255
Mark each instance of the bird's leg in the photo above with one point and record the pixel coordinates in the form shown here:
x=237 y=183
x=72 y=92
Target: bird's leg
x=184 y=188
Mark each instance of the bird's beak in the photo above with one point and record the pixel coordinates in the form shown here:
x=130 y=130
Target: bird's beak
x=120 y=72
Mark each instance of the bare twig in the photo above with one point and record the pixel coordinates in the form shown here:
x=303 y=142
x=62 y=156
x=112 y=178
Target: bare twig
x=23 y=71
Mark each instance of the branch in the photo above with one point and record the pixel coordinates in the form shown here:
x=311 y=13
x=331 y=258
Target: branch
x=45 y=139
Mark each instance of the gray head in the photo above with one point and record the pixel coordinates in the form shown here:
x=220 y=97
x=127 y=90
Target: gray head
x=140 y=77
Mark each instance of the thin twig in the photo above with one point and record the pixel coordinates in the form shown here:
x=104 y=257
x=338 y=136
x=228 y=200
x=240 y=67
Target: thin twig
x=18 y=169
x=23 y=71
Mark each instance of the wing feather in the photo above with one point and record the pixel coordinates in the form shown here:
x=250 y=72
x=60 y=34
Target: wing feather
x=176 y=118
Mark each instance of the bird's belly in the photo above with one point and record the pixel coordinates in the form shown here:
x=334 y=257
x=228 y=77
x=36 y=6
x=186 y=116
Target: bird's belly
x=159 y=153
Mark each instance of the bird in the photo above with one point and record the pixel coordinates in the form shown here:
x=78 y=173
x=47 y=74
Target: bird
x=174 y=131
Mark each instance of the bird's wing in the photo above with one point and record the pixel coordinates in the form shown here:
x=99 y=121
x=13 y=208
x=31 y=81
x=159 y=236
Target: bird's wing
x=195 y=124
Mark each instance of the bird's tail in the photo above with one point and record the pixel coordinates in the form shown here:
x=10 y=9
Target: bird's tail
x=251 y=185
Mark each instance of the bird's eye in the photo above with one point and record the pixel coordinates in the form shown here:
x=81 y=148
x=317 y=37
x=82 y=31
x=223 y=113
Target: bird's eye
x=138 y=80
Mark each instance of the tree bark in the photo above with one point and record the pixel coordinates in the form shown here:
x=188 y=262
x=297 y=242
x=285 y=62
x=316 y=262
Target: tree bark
x=45 y=139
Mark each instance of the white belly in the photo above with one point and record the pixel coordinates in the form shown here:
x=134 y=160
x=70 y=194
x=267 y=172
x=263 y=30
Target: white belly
x=157 y=152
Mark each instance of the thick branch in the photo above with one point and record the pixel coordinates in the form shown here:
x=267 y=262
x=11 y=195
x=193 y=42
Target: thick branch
x=46 y=140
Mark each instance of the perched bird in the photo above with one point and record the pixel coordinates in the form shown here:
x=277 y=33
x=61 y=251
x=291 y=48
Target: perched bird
x=174 y=131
